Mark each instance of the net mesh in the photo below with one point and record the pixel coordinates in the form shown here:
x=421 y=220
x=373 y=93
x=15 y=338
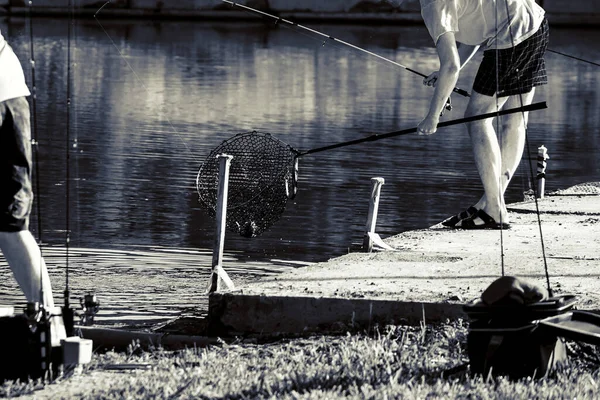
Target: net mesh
x=260 y=181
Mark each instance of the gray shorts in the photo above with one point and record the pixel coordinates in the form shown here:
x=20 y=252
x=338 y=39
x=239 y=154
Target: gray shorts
x=16 y=196
x=518 y=69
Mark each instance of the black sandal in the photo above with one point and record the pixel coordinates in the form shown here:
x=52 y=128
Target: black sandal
x=455 y=219
x=481 y=220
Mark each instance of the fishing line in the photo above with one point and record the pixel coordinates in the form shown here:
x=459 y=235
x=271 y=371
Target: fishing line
x=502 y=255
x=35 y=144
x=277 y=19
x=140 y=81
x=68 y=157
x=532 y=176
x=35 y=141
x=379 y=60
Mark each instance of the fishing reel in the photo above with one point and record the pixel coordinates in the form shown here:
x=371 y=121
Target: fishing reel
x=90 y=307
x=36 y=316
x=448 y=106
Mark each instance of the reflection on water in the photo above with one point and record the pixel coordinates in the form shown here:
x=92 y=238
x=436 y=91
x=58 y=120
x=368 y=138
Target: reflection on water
x=151 y=99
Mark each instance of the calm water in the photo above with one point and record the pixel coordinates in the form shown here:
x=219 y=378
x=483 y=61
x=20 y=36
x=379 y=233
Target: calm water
x=149 y=100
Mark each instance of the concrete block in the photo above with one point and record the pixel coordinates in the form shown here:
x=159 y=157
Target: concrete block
x=295 y=315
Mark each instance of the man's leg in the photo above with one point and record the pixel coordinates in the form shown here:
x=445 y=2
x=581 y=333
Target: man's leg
x=497 y=158
x=25 y=260
x=486 y=151
x=16 y=241
x=27 y=264
x=512 y=136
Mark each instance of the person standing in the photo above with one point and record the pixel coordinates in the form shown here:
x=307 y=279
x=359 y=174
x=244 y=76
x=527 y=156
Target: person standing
x=18 y=245
x=514 y=34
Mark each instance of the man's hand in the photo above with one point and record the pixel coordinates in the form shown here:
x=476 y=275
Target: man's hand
x=428 y=126
x=431 y=80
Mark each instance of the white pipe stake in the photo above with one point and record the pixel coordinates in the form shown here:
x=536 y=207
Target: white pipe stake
x=217 y=260
x=541 y=170
x=376 y=184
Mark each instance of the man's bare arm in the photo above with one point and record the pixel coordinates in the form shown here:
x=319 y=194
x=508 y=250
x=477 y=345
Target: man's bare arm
x=447 y=78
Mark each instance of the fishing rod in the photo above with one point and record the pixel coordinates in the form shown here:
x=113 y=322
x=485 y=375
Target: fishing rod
x=277 y=19
x=68 y=313
x=35 y=143
x=377 y=136
x=263 y=174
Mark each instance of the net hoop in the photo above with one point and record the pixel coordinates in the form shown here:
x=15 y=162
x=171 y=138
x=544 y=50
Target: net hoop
x=261 y=180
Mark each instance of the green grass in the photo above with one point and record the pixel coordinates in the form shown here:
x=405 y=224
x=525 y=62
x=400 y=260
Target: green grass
x=399 y=362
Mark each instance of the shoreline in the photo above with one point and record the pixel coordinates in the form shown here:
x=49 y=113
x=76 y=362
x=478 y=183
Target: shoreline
x=431 y=273
x=428 y=277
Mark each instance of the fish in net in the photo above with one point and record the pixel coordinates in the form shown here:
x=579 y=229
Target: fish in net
x=261 y=180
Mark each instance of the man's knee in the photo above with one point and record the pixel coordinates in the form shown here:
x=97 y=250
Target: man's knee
x=478 y=126
x=512 y=123
x=480 y=104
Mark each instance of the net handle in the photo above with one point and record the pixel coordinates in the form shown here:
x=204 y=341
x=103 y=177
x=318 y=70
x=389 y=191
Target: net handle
x=531 y=107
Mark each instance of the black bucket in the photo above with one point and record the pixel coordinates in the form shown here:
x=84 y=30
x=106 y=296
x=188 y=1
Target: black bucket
x=25 y=349
x=519 y=340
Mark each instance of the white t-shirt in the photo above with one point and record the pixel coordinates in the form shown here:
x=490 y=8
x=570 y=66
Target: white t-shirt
x=12 y=78
x=491 y=23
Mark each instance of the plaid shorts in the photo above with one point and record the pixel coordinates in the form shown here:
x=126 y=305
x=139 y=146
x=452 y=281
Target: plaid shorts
x=16 y=196
x=519 y=68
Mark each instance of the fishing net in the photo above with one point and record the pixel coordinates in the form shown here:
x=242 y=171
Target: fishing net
x=263 y=173
x=261 y=180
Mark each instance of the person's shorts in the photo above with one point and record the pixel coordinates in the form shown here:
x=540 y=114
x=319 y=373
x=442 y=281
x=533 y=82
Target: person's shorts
x=519 y=68
x=16 y=195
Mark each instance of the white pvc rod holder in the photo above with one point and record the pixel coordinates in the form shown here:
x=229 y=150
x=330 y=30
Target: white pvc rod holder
x=541 y=170
x=376 y=184
x=221 y=217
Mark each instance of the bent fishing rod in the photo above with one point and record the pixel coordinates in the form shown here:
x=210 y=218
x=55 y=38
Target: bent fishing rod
x=377 y=136
x=263 y=174
x=277 y=19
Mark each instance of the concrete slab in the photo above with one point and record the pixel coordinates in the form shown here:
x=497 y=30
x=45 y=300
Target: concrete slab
x=436 y=269
x=239 y=314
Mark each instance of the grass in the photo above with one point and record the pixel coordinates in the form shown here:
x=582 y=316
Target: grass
x=426 y=362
